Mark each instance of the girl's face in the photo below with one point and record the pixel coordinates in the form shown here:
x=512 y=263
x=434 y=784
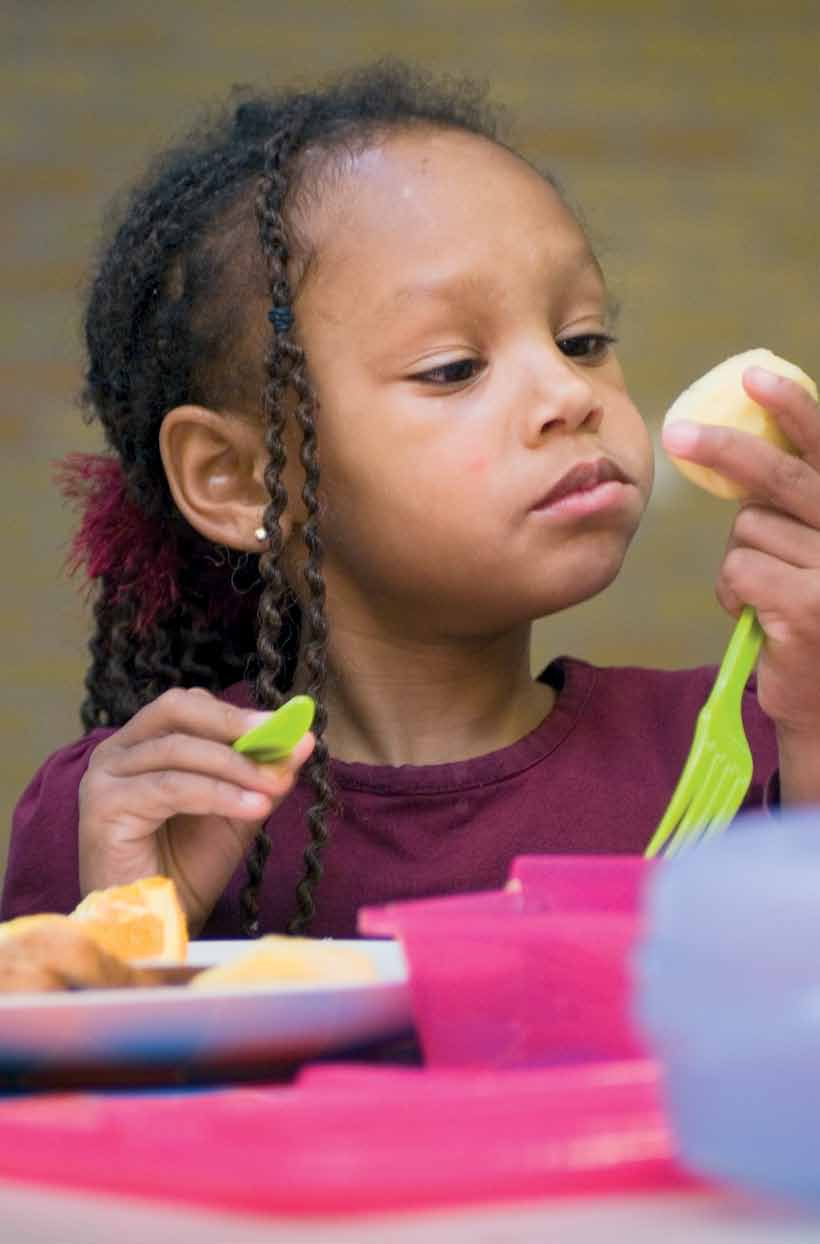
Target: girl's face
x=481 y=461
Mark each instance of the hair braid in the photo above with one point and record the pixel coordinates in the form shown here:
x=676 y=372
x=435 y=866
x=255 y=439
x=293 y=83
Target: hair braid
x=281 y=360
x=315 y=655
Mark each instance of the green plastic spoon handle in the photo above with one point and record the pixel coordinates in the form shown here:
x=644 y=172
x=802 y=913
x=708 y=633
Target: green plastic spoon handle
x=276 y=738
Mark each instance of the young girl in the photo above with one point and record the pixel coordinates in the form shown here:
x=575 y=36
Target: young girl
x=354 y=364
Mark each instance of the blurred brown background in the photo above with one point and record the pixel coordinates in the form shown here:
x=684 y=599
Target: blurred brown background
x=688 y=132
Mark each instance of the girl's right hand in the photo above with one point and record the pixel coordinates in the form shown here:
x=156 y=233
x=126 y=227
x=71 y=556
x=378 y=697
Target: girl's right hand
x=168 y=794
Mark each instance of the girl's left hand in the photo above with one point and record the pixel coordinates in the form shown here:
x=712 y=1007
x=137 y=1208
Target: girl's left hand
x=773 y=557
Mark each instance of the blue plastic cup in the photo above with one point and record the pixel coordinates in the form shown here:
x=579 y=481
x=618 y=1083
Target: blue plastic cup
x=728 y=995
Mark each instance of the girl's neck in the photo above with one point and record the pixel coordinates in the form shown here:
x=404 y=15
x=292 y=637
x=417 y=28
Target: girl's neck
x=394 y=702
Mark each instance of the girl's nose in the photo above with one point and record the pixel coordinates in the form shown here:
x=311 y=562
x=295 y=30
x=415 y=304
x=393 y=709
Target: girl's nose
x=562 y=398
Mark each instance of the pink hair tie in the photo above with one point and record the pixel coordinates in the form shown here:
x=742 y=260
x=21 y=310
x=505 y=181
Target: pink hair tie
x=116 y=540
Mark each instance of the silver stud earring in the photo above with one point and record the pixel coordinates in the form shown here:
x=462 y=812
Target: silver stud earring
x=261 y=534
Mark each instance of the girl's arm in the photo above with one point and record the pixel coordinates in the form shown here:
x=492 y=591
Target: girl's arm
x=41 y=872
x=165 y=794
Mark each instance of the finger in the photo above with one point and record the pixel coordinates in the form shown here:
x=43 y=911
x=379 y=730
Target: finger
x=292 y=763
x=155 y=797
x=191 y=711
x=763 y=471
x=187 y=754
x=781 y=536
x=773 y=588
x=300 y=753
x=795 y=410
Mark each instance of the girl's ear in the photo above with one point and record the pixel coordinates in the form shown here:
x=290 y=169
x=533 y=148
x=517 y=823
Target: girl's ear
x=215 y=467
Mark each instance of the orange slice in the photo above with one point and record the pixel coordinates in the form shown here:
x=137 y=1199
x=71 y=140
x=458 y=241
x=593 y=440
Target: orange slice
x=142 y=920
x=278 y=960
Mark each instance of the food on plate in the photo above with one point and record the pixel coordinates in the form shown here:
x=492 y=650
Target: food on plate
x=50 y=952
x=96 y=945
x=142 y=920
x=277 y=959
x=718 y=397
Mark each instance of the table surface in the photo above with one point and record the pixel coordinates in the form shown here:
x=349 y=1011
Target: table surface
x=30 y=1215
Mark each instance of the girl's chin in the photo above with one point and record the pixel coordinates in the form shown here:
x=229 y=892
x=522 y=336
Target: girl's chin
x=590 y=581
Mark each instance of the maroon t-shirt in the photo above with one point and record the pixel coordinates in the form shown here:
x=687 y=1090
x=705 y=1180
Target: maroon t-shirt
x=595 y=776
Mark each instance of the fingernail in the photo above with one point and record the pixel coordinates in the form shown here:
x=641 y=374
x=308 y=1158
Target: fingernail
x=761 y=378
x=302 y=749
x=680 y=436
x=252 y=799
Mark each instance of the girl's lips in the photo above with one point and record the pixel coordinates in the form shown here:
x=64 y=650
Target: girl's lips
x=582 y=478
x=610 y=495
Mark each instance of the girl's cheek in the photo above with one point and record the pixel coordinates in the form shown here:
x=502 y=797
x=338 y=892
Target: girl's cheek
x=476 y=464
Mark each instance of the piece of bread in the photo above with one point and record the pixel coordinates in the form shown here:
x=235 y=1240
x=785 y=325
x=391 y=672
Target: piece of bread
x=49 y=952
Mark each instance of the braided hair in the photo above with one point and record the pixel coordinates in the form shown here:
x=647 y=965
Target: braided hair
x=167 y=324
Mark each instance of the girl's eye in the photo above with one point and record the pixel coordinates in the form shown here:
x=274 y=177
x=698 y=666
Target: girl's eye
x=458 y=372
x=588 y=347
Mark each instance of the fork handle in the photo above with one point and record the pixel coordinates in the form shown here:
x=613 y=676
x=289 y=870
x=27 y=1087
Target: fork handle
x=739 y=658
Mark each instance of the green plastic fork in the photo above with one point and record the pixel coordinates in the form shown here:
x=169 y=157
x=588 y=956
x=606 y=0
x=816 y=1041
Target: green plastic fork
x=719 y=766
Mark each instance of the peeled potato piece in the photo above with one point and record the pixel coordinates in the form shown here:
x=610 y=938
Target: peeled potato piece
x=719 y=398
x=289 y=960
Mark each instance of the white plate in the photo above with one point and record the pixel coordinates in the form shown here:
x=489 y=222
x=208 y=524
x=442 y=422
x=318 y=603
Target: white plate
x=174 y=1027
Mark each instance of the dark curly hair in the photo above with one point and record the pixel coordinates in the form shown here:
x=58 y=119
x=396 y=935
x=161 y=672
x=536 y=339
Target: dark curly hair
x=168 y=323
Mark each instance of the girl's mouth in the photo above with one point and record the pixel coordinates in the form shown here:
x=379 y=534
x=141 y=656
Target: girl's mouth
x=586 y=487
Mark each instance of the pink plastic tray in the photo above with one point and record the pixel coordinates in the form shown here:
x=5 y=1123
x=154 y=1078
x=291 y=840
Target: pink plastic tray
x=356 y=1139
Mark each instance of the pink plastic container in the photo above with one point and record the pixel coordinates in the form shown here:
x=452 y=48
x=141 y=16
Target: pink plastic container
x=537 y=883
x=604 y=883
x=538 y=973
x=382 y=921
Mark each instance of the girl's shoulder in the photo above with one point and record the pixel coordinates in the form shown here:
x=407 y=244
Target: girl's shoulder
x=657 y=703
x=41 y=873
x=62 y=771
x=632 y=687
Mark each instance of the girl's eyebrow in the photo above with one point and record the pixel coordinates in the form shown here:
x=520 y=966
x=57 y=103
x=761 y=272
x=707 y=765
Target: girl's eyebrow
x=448 y=288
x=440 y=290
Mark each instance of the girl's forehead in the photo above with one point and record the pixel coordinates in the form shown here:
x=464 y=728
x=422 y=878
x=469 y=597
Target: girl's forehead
x=429 y=203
